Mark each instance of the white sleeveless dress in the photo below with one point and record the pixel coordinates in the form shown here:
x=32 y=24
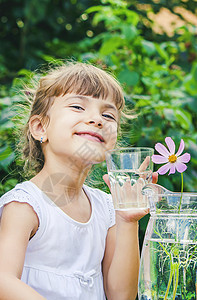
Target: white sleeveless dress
x=63 y=259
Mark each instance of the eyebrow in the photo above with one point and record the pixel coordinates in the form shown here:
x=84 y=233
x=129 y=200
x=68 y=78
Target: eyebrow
x=87 y=99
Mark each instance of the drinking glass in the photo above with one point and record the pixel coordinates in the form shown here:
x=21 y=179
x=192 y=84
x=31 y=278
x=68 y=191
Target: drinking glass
x=129 y=169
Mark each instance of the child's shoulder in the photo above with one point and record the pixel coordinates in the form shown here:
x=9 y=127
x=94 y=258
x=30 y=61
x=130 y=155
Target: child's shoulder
x=23 y=193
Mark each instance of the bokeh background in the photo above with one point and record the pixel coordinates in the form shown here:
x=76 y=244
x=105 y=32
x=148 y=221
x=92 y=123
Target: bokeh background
x=150 y=46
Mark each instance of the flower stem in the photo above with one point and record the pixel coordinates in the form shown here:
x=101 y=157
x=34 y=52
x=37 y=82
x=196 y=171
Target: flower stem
x=164 y=249
x=170 y=280
x=176 y=279
x=181 y=193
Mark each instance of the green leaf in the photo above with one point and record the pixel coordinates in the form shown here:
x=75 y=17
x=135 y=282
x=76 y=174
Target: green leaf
x=190 y=81
x=147 y=81
x=128 y=77
x=6 y=115
x=25 y=72
x=194 y=71
x=51 y=59
x=6 y=157
x=108 y=18
x=110 y=45
x=5 y=151
x=118 y=3
x=184 y=118
x=129 y=31
x=142 y=103
x=132 y=17
x=6 y=101
x=94 y=9
x=169 y=114
x=191 y=87
x=192 y=103
x=7 y=125
x=165 y=181
x=162 y=52
x=149 y=47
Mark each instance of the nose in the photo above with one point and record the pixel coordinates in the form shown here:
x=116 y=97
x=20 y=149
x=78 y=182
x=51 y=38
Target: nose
x=97 y=123
x=94 y=118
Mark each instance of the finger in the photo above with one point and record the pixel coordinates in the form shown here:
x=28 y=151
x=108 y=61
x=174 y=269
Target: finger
x=145 y=164
x=154 y=177
x=106 y=179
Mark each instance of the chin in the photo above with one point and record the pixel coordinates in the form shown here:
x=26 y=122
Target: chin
x=90 y=152
x=93 y=160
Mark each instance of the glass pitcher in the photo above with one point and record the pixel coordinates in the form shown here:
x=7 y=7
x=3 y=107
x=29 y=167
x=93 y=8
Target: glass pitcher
x=168 y=268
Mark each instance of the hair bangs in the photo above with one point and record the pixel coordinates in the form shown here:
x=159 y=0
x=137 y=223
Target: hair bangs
x=88 y=80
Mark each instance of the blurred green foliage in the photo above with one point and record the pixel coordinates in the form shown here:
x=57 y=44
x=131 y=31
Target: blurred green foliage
x=158 y=72
x=162 y=91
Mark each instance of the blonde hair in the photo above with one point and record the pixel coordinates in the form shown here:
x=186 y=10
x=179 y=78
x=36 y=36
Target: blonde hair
x=73 y=77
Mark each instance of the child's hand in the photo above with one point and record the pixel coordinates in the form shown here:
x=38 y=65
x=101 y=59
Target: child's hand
x=131 y=215
x=106 y=179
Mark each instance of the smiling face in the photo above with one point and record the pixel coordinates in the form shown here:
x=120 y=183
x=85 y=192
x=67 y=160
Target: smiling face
x=51 y=100
x=81 y=128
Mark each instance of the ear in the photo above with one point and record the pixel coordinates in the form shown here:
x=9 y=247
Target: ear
x=37 y=128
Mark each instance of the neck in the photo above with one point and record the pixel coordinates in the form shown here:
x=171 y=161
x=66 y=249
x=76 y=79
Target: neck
x=62 y=182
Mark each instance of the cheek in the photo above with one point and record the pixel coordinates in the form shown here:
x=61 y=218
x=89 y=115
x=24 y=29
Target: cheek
x=111 y=135
x=57 y=133
x=113 y=142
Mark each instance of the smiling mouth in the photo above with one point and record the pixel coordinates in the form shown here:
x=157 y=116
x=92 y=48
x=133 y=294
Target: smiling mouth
x=92 y=136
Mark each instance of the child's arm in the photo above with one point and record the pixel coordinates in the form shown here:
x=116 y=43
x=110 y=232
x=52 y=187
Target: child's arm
x=121 y=260
x=18 y=222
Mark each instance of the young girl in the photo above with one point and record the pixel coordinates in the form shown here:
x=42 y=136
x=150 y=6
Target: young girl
x=58 y=237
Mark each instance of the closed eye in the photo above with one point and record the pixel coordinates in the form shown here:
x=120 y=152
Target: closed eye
x=77 y=107
x=109 y=117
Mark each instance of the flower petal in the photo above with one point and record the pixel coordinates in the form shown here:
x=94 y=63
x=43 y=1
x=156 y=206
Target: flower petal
x=164 y=169
x=162 y=149
x=171 y=145
x=172 y=169
x=181 y=148
x=180 y=166
x=185 y=158
x=159 y=159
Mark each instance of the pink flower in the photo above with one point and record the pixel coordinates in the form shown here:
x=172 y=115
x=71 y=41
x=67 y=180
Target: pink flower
x=172 y=161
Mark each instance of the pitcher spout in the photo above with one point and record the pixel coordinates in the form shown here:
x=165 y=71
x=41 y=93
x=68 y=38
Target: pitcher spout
x=154 y=189
x=162 y=200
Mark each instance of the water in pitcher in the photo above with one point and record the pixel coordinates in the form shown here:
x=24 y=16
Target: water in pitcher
x=168 y=270
x=126 y=187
